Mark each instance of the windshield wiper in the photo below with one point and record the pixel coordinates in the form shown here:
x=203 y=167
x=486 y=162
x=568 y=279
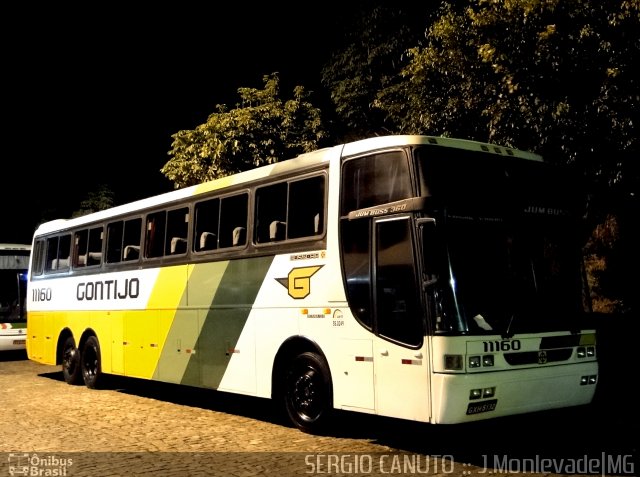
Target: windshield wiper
x=507 y=333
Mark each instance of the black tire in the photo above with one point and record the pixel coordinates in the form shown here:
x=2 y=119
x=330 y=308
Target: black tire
x=307 y=392
x=71 y=369
x=91 y=364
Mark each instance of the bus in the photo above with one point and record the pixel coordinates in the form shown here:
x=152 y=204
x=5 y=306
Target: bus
x=14 y=263
x=422 y=278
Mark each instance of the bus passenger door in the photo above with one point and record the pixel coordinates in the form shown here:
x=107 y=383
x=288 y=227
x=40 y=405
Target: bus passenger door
x=401 y=364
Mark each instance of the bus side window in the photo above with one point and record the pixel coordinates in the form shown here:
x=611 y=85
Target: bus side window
x=131 y=239
x=64 y=252
x=123 y=240
x=52 y=254
x=396 y=301
x=206 y=225
x=375 y=179
x=94 y=248
x=271 y=206
x=80 y=243
x=114 y=241
x=356 y=248
x=306 y=207
x=154 y=234
x=58 y=253
x=87 y=247
x=177 y=230
x=234 y=213
x=38 y=257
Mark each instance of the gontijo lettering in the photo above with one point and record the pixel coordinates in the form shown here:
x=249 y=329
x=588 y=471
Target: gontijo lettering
x=108 y=290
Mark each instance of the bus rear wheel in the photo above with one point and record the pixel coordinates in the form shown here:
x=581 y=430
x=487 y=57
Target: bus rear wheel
x=71 y=362
x=91 y=365
x=307 y=392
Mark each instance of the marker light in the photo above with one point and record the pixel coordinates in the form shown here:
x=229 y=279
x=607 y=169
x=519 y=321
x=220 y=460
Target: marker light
x=482 y=393
x=488 y=392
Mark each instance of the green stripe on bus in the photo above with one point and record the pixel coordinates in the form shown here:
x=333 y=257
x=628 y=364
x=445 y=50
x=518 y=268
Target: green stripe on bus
x=197 y=348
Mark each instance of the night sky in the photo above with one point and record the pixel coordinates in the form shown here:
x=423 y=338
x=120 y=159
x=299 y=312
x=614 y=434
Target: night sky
x=93 y=97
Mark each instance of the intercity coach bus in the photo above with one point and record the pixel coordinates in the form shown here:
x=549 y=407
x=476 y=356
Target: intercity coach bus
x=423 y=278
x=14 y=261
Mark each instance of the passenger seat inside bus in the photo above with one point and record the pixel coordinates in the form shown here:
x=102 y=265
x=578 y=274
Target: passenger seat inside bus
x=207 y=241
x=178 y=246
x=239 y=236
x=277 y=230
x=59 y=264
x=131 y=252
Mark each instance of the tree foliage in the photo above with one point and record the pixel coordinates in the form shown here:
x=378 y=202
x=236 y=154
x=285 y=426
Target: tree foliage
x=262 y=129
x=369 y=62
x=544 y=75
x=100 y=199
x=556 y=77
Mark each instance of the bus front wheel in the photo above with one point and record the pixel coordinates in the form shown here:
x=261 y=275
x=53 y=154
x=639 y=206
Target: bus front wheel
x=91 y=366
x=307 y=392
x=71 y=362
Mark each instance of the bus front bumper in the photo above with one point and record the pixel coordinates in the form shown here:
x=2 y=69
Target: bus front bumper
x=509 y=392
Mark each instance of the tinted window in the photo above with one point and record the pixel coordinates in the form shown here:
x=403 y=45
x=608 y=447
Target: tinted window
x=375 y=179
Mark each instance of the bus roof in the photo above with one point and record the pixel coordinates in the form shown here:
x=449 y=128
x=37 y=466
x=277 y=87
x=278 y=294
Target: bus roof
x=382 y=142
x=15 y=246
x=301 y=162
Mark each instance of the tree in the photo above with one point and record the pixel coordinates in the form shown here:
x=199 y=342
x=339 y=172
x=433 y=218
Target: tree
x=100 y=199
x=263 y=129
x=544 y=75
x=556 y=77
x=369 y=62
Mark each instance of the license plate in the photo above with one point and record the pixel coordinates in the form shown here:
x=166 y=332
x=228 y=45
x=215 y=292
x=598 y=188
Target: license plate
x=483 y=406
x=19 y=342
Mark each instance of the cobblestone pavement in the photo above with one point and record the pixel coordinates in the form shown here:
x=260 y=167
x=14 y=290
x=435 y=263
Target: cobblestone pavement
x=134 y=427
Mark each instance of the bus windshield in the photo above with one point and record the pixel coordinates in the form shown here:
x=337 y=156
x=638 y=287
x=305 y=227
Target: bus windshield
x=14 y=261
x=507 y=280
x=510 y=239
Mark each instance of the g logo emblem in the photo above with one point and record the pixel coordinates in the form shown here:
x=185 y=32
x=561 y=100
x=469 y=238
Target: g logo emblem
x=298 y=282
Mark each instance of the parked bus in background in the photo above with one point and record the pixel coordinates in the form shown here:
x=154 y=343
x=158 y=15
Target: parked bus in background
x=14 y=262
x=423 y=278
